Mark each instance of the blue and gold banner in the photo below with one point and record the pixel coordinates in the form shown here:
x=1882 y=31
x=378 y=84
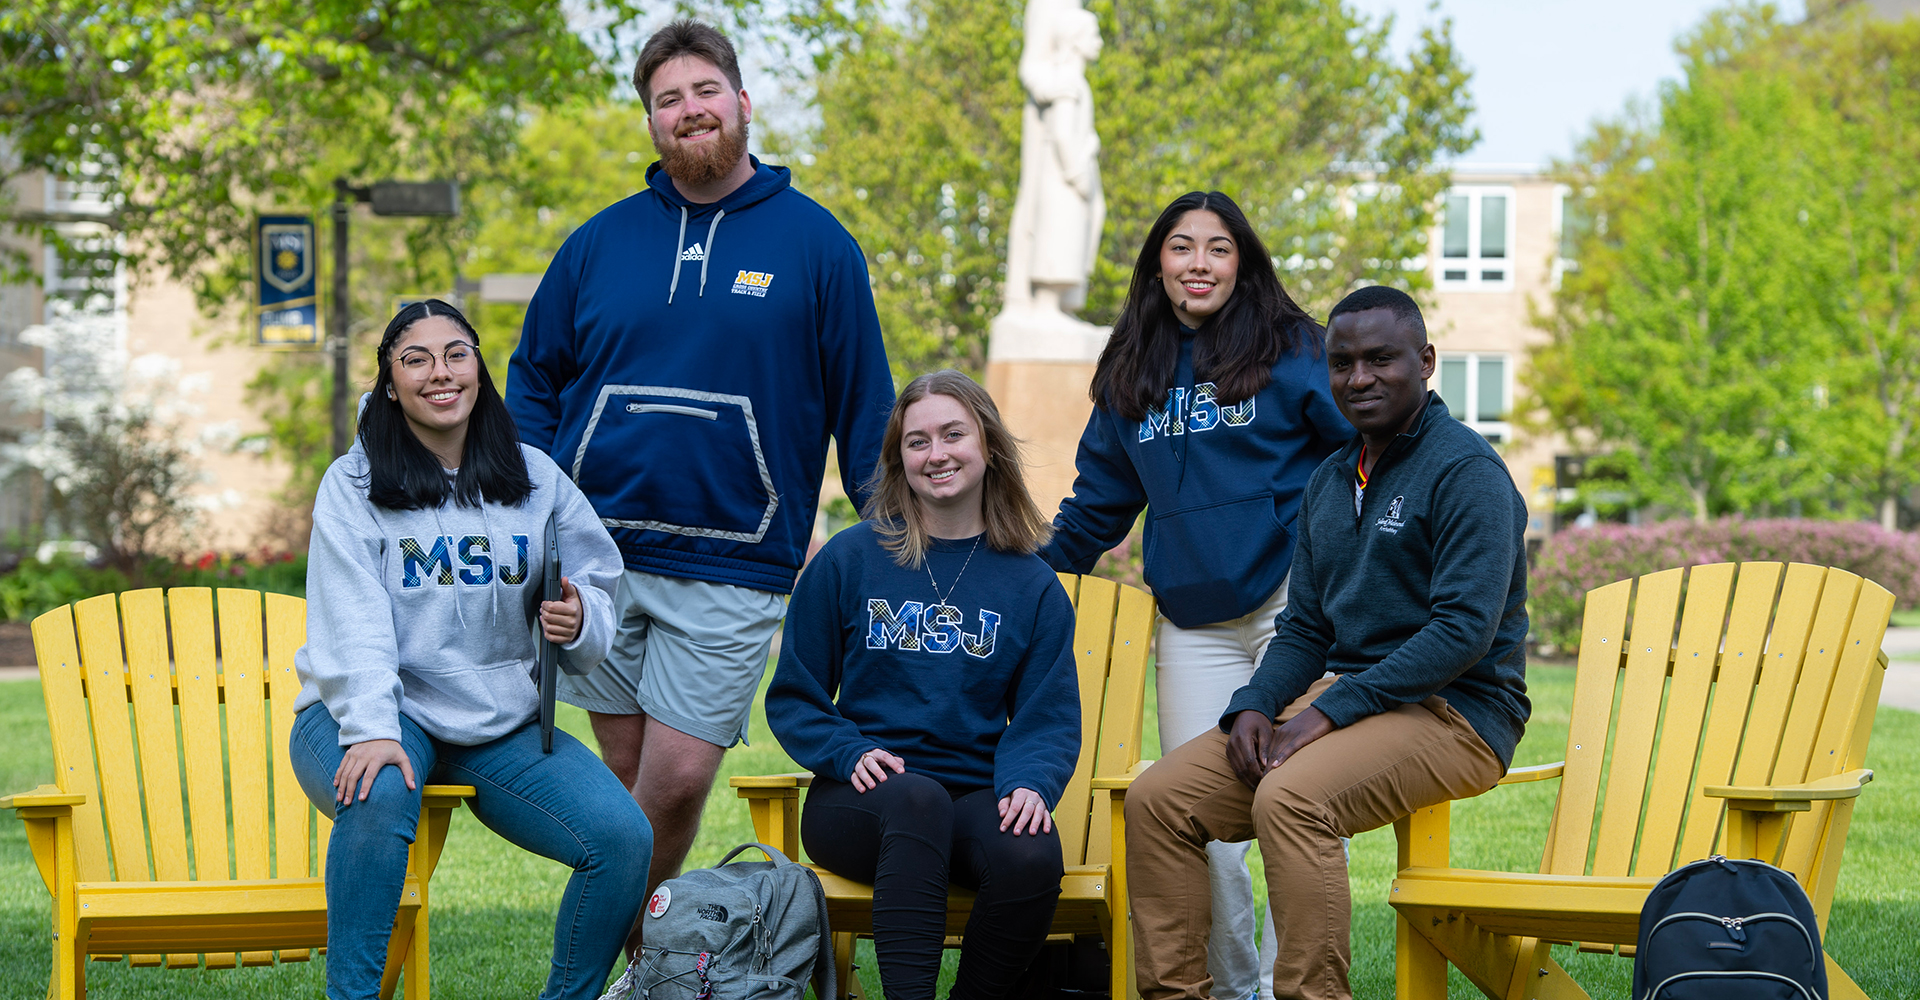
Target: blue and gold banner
x=286 y=273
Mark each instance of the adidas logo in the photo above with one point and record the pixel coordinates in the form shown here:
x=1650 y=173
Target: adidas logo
x=694 y=252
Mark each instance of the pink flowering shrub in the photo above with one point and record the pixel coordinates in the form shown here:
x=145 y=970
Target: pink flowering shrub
x=1581 y=559
x=1125 y=562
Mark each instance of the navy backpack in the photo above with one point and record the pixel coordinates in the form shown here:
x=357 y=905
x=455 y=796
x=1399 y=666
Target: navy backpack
x=1729 y=930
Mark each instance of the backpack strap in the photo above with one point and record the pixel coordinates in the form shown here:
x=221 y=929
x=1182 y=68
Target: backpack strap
x=824 y=969
x=777 y=857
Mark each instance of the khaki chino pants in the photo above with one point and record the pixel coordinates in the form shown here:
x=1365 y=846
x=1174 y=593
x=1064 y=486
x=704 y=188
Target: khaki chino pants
x=1350 y=781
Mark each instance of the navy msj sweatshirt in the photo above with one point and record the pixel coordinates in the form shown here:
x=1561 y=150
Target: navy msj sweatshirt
x=1221 y=483
x=685 y=364
x=979 y=692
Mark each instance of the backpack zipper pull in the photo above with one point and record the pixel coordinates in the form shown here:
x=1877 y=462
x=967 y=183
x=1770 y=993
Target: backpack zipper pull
x=1734 y=928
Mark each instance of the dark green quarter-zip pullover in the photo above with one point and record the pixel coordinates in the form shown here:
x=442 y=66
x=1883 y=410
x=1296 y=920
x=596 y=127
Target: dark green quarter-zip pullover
x=1418 y=590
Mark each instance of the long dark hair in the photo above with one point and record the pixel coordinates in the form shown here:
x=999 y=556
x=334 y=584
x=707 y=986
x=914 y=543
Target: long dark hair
x=1237 y=346
x=402 y=474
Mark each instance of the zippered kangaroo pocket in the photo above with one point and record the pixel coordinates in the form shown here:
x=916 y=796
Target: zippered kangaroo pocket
x=680 y=461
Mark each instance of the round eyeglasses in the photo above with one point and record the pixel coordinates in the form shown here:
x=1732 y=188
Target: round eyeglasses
x=417 y=362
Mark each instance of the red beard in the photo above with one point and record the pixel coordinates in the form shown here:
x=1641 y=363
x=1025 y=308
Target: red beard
x=704 y=163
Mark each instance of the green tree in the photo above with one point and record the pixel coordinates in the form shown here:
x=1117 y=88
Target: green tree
x=1868 y=71
x=1295 y=107
x=1689 y=342
x=190 y=115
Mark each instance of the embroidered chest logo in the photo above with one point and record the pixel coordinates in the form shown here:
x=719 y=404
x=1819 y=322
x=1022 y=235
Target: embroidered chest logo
x=694 y=252
x=754 y=283
x=929 y=628
x=419 y=563
x=1392 y=522
x=1197 y=410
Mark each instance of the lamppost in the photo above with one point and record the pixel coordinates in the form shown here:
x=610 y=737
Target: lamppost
x=390 y=198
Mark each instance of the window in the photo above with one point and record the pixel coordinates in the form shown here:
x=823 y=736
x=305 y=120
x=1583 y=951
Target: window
x=1476 y=239
x=1477 y=391
x=1573 y=223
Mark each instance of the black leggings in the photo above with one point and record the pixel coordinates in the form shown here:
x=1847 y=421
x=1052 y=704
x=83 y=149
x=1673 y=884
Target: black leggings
x=908 y=837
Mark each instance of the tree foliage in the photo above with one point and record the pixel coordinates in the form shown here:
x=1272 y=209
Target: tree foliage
x=1871 y=171
x=189 y=116
x=1739 y=333
x=1294 y=107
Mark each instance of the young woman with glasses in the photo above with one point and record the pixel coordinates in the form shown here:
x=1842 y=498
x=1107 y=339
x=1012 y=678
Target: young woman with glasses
x=1211 y=410
x=926 y=677
x=424 y=582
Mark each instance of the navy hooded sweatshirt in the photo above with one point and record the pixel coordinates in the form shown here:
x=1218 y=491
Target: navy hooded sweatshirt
x=685 y=364
x=978 y=692
x=1222 y=484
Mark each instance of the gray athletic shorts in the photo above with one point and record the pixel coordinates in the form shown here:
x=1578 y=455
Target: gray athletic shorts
x=688 y=653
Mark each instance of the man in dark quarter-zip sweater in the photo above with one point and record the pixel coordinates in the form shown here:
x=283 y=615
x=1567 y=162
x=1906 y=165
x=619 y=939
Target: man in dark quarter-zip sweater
x=1397 y=678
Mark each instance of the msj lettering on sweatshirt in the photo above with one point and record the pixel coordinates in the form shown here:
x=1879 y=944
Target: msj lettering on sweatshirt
x=435 y=561
x=1197 y=409
x=931 y=628
x=754 y=283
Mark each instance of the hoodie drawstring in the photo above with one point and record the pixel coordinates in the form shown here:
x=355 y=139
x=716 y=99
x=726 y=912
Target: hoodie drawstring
x=441 y=529
x=1183 y=411
x=708 y=255
x=676 y=256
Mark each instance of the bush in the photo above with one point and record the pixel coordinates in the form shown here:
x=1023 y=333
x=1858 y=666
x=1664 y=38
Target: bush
x=1581 y=559
x=273 y=572
x=34 y=588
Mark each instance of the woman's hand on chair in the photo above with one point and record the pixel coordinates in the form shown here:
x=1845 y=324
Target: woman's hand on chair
x=560 y=619
x=1026 y=812
x=362 y=764
x=872 y=769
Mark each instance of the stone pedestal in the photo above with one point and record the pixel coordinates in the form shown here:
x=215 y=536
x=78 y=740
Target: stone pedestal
x=1039 y=365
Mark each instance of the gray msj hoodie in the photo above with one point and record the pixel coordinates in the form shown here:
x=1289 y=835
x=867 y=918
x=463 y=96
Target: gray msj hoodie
x=430 y=613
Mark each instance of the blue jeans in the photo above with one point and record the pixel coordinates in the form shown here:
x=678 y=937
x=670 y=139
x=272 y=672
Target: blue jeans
x=565 y=805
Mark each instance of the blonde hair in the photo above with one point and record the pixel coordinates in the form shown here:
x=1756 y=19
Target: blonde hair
x=1014 y=521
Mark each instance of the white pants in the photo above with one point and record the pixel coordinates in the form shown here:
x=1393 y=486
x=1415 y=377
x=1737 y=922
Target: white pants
x=1197 y=670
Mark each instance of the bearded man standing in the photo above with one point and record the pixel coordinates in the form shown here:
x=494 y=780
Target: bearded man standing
x=688 y=354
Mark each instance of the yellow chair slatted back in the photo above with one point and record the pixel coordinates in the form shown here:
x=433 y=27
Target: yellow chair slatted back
x=1112 y=640
x=1766 y=674
x=135 y=692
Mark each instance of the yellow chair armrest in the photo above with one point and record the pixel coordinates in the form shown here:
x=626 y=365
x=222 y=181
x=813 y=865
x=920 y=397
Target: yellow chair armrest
x=1121 y=782
x=1538 y=772
x=43 y=797
x=754 y=786
x=1787 y=797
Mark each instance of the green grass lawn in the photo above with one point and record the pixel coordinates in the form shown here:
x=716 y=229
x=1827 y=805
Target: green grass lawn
x=493 y=905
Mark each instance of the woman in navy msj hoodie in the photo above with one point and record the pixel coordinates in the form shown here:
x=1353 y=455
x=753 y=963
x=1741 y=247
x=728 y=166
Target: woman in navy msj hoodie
x=927 y=678
x=1211 y=410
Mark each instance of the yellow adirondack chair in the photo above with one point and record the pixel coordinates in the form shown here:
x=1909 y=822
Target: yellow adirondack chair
x=1743 y=733
x=196 y=899
x=1113 y=633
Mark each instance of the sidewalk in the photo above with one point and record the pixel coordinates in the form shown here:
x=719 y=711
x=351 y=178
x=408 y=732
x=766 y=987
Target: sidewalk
x=1902 y=687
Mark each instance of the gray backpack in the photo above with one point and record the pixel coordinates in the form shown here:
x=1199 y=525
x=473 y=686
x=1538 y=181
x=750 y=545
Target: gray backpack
x=754 y=930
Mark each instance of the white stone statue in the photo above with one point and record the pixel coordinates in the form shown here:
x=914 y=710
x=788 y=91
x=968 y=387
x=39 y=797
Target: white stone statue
x=1058 y=214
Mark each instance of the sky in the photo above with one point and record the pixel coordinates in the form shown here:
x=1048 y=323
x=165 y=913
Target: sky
x=1544 y=69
